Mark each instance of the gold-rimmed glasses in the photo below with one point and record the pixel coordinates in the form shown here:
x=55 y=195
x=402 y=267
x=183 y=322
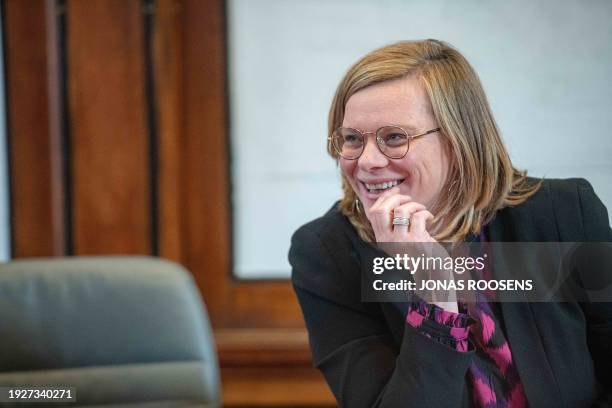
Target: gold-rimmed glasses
x=392 y=141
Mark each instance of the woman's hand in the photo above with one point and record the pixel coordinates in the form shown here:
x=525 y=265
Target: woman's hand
x=391 y=204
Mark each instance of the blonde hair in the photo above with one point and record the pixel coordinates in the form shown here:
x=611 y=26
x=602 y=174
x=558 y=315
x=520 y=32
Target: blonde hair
x=481 y=177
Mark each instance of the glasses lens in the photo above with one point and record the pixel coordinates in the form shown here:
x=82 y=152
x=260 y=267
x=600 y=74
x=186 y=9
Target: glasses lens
x=348 y=142
x=393 y=141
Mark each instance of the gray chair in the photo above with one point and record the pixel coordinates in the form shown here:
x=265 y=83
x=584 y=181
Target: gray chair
x=125 y=331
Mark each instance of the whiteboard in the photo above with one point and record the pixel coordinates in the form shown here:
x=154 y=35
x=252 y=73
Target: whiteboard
x=546 y=67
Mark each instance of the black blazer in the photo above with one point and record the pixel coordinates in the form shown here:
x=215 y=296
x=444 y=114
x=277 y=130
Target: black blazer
x=371 y=358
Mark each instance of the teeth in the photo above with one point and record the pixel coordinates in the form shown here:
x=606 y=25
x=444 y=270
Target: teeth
x=382 y=186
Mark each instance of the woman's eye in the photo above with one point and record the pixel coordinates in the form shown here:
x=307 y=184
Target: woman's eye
x=395 y=138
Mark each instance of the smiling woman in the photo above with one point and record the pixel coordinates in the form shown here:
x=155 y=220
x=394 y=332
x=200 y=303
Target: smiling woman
x=422 y=160
x=462 y=172
x=420 y=169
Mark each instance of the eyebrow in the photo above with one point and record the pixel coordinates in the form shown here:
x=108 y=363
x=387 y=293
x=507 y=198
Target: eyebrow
x=408 y=128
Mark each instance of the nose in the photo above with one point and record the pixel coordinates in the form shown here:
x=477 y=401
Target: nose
x=372 y=158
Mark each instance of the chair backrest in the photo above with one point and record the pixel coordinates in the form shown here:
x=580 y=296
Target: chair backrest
x=122 y=330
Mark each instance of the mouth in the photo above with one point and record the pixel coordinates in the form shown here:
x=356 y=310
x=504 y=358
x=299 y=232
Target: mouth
x=376 y=189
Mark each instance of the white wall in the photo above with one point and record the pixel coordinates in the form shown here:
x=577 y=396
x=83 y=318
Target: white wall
x=545 y=66
x=5 y=250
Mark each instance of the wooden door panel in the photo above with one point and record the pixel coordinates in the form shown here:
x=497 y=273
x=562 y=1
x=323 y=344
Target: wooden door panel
x=109 y=138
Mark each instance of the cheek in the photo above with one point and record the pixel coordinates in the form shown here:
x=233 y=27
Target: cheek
x=408 y=166
x=440 y=165
x=348 y=168
x=428 y=169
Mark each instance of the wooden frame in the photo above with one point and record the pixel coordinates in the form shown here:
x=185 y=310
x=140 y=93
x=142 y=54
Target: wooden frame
x=258 y=324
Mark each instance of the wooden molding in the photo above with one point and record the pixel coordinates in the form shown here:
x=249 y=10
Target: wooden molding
x=275 y=387
x=34 y=133
x=263 y=347
x=168 y=82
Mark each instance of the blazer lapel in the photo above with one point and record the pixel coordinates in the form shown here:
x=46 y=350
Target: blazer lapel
x=522 y=332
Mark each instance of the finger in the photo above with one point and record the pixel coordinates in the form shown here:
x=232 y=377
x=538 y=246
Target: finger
x=391 y=203
x=389 y=192
x=406 y=210
x=381 y=213
x=418 y=222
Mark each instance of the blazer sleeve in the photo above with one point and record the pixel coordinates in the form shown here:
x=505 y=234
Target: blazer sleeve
x=352 y=345
x=598 y=315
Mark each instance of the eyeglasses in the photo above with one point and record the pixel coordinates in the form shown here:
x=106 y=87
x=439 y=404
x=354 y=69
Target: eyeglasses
x=392 y=141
